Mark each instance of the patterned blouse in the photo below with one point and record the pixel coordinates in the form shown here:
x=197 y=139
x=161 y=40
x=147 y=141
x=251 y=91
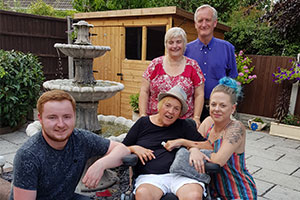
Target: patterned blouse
x=234 y=181
x=160 y=81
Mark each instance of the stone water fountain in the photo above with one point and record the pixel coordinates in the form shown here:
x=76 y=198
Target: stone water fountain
x=84 y=88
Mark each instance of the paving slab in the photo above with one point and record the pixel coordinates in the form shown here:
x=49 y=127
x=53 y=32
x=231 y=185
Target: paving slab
x=291 y=182
x=263 y=187
x=261 y=152
x=282 y=193
x=252 y=168
x=278 y=166
x=7 y=147
x=17 y=137
x=297 y=173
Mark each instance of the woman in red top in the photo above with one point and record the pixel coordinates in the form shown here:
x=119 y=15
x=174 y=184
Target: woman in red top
x=170 y=70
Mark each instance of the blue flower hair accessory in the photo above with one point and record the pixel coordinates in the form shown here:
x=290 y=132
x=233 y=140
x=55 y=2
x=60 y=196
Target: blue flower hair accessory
x=229 y=82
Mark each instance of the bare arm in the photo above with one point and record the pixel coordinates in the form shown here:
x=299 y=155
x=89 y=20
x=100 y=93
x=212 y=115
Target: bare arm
x=233 y=142
x=143 y=153
x=112 y=158
x=144 y=97
x=22 y=194
x=172 y=144
x=198 y=103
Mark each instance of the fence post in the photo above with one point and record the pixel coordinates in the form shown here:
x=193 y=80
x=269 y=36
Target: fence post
x=294 y=93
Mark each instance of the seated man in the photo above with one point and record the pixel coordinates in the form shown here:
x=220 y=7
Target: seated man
x=49 y=165
x=145 y=139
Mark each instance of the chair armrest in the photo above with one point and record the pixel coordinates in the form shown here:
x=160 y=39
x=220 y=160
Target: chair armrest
x=130 y=160
x=212 y=167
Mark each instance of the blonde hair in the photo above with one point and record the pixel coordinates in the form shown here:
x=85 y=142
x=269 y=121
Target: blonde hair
x=54 y=95
x=176 y=32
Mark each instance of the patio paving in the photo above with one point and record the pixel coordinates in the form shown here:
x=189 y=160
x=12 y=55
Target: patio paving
x=273 y=161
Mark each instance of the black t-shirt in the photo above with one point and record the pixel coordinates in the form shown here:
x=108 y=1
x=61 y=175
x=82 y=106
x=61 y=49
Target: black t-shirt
x=150 y=136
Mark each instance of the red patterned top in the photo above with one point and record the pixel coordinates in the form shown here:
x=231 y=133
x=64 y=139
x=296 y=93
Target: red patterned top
x=160 y=81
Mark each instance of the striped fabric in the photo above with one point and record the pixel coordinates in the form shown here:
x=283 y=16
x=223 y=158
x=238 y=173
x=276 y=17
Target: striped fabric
x=234 y=181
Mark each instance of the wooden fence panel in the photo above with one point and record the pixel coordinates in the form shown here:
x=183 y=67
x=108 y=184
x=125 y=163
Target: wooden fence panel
x=260 y=95
x=37 y=35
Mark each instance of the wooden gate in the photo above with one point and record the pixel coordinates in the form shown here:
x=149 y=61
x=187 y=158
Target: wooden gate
x=108 y=66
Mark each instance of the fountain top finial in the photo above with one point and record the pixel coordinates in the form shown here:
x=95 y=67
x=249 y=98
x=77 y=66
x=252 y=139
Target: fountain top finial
x=83 y=32
x=83 y=23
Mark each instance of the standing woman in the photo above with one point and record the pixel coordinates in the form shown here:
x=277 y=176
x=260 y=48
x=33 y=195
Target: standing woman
x=170 y=70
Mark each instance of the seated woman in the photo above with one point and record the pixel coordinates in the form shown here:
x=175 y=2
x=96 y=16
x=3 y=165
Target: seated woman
x=145 y=139
x=228 y=138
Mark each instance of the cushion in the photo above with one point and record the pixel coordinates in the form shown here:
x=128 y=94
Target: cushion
x=182 y=166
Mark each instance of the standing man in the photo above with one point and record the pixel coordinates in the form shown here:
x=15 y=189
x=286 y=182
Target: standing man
x=49 y=165
x=215 y=57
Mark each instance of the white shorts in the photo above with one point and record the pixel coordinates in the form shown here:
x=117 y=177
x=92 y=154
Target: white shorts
x=168 y=183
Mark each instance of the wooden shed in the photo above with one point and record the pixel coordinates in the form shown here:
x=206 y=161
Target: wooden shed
x=135 y=36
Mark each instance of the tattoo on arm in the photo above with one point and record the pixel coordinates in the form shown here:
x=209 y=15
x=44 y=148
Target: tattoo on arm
x=234 y=133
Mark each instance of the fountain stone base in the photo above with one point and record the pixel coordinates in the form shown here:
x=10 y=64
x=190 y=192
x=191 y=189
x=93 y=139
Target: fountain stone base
x=86 y=116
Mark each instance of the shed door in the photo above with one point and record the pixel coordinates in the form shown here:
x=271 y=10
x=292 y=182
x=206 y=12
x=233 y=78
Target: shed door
x=109 y=65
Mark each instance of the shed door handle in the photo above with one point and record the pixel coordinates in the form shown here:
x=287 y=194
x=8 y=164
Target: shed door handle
x=120 y=74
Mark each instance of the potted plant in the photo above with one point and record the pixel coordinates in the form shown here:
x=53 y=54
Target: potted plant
x=286 y=125
x=134 y=103
x=289 y=127
x=256 y=124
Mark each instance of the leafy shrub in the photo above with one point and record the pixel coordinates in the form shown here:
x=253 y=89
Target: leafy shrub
x=134 y=102
x=19 y=86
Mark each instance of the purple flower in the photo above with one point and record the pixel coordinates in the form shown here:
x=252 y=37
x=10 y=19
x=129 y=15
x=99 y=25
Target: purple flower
x=247 y=71
x=241 y=74
x=245 y=67
x=254 y=76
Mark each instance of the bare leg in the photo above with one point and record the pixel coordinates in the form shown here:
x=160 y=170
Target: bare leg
x=191 y=191
x=148 y=192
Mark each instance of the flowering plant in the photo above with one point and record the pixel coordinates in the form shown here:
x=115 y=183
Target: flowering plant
x=291 y=120
x=287 y=74
x=244 y=70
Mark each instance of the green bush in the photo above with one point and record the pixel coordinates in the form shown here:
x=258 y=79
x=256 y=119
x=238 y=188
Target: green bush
x=19 y=86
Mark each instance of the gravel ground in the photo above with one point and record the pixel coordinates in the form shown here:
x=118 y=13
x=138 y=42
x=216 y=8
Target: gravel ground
x=116 y=190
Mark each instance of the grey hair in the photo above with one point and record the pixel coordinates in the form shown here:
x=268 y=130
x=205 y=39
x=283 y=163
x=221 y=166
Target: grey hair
x=215 y=13
x=175 y=32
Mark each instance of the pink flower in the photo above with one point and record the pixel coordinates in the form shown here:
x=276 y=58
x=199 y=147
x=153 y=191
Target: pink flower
x=241 y=74
x=245 y=67
x=254 y=76
x=246 y=71
x=241 y=53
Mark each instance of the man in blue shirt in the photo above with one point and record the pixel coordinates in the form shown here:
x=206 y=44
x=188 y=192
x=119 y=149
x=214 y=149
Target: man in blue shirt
x=215 y=56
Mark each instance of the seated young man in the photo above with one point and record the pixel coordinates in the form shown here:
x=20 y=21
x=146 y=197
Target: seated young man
x=50 y=164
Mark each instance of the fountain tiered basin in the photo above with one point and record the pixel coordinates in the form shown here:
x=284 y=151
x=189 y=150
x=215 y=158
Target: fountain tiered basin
x=81 y=93
x=84 y=88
